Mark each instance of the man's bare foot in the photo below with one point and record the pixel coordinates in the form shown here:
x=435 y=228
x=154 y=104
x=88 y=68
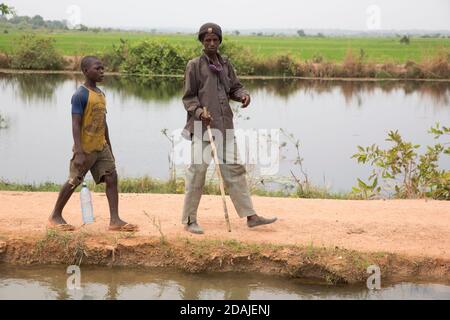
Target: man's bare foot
x=120 y=225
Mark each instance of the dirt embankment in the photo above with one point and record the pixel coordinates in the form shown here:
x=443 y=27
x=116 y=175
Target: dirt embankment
x=331 y=240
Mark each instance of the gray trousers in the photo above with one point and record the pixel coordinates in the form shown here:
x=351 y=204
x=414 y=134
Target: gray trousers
x=233 y=175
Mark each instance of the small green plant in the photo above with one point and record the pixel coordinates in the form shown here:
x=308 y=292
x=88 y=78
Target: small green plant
x=79 y=249
x=303 y=184
x=402 y=170
x=36 y=53
x=157 y=224
x=310 y=252
x=60 y=237
x=439 y=132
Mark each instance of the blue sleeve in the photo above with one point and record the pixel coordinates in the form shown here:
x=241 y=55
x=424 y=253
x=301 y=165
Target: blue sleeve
x=79 y=100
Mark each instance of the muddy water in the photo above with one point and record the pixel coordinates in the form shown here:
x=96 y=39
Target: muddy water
x=330 y=118
x=50 y=282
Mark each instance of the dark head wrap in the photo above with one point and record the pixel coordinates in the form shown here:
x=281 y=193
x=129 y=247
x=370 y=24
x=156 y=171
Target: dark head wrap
x=210 y=28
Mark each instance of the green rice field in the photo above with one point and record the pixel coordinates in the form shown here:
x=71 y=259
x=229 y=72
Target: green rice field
x=378 y=50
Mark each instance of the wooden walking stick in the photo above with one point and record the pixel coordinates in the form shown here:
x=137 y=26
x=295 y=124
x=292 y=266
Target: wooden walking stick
x=219 y=174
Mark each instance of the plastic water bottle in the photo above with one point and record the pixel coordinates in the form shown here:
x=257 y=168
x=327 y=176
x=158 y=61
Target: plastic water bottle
x=86 y=204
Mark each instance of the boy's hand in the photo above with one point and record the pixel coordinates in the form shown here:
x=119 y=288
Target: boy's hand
x=80 y=159
x=245 y=101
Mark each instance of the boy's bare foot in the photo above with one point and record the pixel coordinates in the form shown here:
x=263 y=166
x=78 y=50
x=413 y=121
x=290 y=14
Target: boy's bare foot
x=56 y=219
x=59 y=223
x=120 y=225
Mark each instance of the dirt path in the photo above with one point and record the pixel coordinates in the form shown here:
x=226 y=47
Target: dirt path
x=410 y=227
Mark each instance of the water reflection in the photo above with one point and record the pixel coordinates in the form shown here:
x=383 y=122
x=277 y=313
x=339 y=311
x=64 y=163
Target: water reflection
x=49 y=282
x=437 y=92
x=35 y=87
x=43 y=87
x=147 y=89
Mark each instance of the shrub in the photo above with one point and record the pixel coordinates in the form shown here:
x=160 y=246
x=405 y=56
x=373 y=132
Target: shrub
x=286 y=65
x=281 y=65
x=405 y=40
x=36 y=53
x=241 y=57
x=317 y=58
x=326 y=70
x=402 y=170
x=436 y=66
x=388 y=70
x=150 y=57
x=246 y=63
x=5 y=61
x=353 y=65
x=370 y=69
x=115 y=57
x=413 y=70
x=383 y=74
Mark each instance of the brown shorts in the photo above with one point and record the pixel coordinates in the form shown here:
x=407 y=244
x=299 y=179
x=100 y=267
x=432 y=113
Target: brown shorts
x=100 y=163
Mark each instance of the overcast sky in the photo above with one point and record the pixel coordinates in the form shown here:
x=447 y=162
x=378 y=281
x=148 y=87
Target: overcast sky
x=247 y=14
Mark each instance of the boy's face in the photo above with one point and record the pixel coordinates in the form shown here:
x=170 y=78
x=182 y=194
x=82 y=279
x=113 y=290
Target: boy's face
x=95 y=71
x=211 y=43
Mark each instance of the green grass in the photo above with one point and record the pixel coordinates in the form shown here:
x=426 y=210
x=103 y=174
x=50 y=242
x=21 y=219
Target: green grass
x=378 y=50
x=150 y=185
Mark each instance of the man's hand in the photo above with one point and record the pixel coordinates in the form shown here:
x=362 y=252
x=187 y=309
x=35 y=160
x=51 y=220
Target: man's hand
x=206 y=119
x=80 y=159
x=245 y=101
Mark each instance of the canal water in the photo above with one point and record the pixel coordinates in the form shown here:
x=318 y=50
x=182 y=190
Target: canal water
x=50 y=282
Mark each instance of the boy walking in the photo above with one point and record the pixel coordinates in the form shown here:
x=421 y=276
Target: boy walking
x=210 y=81
x=92 y=148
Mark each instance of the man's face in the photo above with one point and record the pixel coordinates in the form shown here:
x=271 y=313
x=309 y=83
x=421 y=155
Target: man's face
x=211 y=43
x=95 y=71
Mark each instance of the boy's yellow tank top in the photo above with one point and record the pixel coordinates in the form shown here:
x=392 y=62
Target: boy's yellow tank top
x=92 y=106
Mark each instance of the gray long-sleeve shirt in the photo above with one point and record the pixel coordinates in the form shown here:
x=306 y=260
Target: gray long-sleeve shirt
x=205 y=88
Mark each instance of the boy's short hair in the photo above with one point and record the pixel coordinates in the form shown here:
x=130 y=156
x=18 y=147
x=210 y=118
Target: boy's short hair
x=87 y=61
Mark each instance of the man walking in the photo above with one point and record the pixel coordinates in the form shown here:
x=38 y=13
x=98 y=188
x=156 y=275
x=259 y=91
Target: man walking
x=210 y=81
